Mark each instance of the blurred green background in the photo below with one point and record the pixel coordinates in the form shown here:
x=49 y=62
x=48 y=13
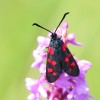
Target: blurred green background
x=18 y=39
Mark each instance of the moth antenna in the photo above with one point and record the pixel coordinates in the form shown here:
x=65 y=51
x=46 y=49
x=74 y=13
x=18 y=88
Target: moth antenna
x=41 y=27
x=61 y=21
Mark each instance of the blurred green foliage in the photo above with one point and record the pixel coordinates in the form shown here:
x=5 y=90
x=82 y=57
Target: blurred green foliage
x=18 y=39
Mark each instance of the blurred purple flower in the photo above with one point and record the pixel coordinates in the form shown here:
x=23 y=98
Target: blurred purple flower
x=65 y=87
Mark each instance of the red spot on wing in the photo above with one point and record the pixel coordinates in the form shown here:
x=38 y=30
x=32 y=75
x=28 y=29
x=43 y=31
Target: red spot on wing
x=54 y=63
x=50 y=50
x=69 y=55
x=63 y=47
x=70 y=70
x=49 y=60
x=50 y=70
x=73 y=64
x=66 y=59
x=54 y=73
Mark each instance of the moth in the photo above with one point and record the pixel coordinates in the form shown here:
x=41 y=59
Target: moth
x=59 y=58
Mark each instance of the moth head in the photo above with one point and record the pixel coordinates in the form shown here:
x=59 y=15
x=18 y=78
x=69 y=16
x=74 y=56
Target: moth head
x=53 y=36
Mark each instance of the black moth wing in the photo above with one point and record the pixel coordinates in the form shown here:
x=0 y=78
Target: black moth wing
x=68 y=63
x=53 y=67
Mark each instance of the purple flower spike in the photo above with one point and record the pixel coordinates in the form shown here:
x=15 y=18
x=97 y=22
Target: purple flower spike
x=65 y=87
